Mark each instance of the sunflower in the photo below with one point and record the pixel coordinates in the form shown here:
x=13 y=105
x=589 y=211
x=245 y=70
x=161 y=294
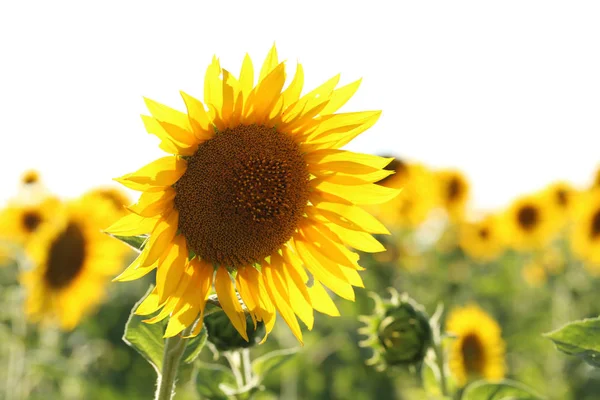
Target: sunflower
x=73 y=260
x=563 y=198
x=454 y=192
x=417 y=199
x=530 y=222
x=30 y=177
x=117 y=197
x=478 y=349
x=256 y=196
x=585 y=234
x=20 y=221
x=482 y=240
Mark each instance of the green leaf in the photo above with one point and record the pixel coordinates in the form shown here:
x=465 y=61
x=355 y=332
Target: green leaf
x=580 y=339
x=146 y=339
x=209 y=378
x=503 y=390
x=195 y=346
x=135 y=242
x=269 y=362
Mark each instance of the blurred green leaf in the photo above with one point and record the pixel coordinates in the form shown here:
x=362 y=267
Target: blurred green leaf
x=135 y=242
x=146 y=339
x=195 y=346
x=269 y=362
x=210 y=377
x=503 y=390
x=580 y=339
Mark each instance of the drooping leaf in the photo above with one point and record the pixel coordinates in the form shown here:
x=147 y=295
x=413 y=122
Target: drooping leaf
x=580 y=339
x=209 y=379
x=135 y=242
x=146 y=339
x=195 y=346
x=269 y=362
x=503 y=390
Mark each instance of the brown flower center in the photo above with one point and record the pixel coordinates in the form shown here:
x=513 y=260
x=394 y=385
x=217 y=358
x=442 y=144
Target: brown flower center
x=473 y=354
x=396 y=165
x=562 y=197
x=454 y=190
x=242 y=195
x=595 y=228
x=528 y=217
x=484 y=233
x=31 y=220
x=66 y=257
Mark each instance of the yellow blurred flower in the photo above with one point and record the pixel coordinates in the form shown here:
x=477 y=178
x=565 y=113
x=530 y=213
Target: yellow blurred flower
x=478 y=350
x=530 y=222
x=482 y=240
x=20 y=221
x=30 y=177
x=258 y=191
x=418 y=197
x=73 y=260
x=563 y=196
x=117 y=197
x=534 y=274
x=585 y=234
x=454 y=193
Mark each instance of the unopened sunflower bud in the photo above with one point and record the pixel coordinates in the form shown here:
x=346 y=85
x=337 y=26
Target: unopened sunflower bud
x=224 y=336
x=398 y=331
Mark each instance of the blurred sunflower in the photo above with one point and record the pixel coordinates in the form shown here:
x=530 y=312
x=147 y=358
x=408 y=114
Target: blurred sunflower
x=585 y=235
x=563 y=197
x=256 y=193
x=20 y=221
x=454 y=193
x=416 y=200
x=596 y=183
x=530 y=222
x=30 y=177
x=117 y=197
x=482 y=240
x=534 y=274
x=478 y=349
x=73 y=260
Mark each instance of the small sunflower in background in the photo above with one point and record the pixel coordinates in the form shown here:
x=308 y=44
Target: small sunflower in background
x=417 y=198
x=563 y=196
x=19 y=221
x=30 y=177
x=72 y=260
x=256 y=193
x=596 y=182
x=117 y=197
x=530 y=222
x=454 y=193
x=482 y=240
x=585 y=234
x=477 y=351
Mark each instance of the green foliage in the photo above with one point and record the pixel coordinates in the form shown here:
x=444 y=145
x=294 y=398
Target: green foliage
x=270 y=362
x=580 y=339
x=504 y=390
x=210 y=379
x=135 y=242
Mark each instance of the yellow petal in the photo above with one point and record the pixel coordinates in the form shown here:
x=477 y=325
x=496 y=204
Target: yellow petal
x=321 y=301
x=170 y=270
x=359 y=194
x=132 y=225
x=298 y=294
x=134 y=271
x=160 y=239
x=199 y=119
x=268 y=92
x=335 y=155
x=213 y=91
x=247 y=76
x=340 y=96
x=269 y=65
x=229 y=301
x=149 y=305
x=359 y=240
x=167 y=142
x=167 y=114
x=151 y=204
x=160 y=173
x=277 y=292
x=329 y=129
x=326 y=246
x=292 y=93
x=353 y=217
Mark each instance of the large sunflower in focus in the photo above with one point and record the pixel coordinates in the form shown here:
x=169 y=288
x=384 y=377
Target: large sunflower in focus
x=585 y=235
x=482 y=240
x=256 y=196
x=418 y=196
x=454 y=193
x=73 y=260
x=478 y=349
x=530 y=222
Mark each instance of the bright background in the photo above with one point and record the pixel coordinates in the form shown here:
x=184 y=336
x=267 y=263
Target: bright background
x=507 y=91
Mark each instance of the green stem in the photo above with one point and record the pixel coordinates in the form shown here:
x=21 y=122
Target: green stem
x=439 y=357
x=174 y=348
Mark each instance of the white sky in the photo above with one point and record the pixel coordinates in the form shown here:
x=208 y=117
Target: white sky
x=507 y=91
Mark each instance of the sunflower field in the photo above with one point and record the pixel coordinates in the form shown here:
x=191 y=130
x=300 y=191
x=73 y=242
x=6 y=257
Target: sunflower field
x=260 y=259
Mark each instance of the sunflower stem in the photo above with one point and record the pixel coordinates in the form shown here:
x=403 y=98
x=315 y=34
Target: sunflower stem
x=174 y=348
x=439 y=357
